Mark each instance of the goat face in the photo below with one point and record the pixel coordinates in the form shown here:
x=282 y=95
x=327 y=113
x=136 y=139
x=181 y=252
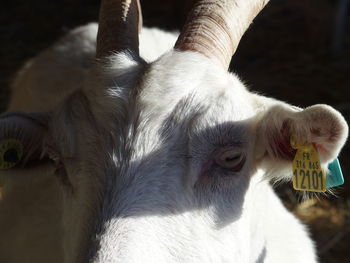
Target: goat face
x=157 y=161
x=163 y=163
x=153 y=152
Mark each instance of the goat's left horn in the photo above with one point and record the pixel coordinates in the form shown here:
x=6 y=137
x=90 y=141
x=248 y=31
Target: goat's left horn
x=119 y=25
x=215 y=27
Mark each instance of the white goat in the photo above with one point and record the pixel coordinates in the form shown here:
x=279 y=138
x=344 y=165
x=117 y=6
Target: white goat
x=166 y=161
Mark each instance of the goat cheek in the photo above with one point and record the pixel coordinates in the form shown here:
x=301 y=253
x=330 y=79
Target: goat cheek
x=205 y=173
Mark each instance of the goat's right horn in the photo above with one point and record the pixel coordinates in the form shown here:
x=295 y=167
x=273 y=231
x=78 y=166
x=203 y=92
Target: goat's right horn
x=215 y=27
x=119 y=25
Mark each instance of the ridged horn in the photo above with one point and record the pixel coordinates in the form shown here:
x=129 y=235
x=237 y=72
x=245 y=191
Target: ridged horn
x=215 y=27
x=119 y=25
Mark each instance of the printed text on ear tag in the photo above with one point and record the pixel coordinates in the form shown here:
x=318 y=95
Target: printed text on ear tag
x=308 y=174
x=11 y=151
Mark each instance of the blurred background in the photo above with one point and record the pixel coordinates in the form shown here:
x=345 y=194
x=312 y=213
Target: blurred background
x=296 y=50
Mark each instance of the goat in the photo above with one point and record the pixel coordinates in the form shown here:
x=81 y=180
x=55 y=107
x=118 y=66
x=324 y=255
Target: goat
x=168 y=161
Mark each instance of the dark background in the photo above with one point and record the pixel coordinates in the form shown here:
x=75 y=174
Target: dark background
x=291 y=52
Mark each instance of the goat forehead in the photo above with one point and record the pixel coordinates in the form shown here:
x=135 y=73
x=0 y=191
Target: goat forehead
x=216 y=121
x=163 y=84
x=191 y=79
x=146 y=101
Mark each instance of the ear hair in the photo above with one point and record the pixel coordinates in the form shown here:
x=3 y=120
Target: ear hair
x=320 y=125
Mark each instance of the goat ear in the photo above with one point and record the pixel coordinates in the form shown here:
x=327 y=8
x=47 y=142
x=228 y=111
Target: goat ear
x=22 y=137
x=320 y=125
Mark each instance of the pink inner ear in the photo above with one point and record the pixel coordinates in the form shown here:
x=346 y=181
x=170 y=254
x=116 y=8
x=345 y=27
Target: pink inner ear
x=321 y=149
x=324 y=139
x=284 y=150
x=281 y=144
x=316 y=131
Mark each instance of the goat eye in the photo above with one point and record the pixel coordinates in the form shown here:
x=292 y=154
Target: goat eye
x=230 y=159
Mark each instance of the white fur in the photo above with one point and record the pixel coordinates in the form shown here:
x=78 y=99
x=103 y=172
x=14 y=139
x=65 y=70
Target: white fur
x=40 y=85
x=30 y=209
x=138 y=141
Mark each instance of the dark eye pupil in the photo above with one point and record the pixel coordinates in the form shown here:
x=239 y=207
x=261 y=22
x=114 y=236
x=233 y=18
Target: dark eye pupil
x=11 y=156
x=233 y=158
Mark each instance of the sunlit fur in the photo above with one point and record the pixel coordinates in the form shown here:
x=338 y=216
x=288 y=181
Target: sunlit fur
x=135 y=146
x=58 y=71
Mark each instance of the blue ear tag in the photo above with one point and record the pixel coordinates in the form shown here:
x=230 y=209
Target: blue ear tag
x=335 y=175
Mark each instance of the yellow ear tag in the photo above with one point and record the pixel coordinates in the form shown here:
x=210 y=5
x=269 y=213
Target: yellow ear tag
x=308 y=175
x=11 y=151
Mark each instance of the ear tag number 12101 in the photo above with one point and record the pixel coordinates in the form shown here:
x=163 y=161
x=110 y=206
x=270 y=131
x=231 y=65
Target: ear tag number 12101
x=308 y=175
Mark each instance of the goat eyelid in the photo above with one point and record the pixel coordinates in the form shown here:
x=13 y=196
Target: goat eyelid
x=230 y=158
